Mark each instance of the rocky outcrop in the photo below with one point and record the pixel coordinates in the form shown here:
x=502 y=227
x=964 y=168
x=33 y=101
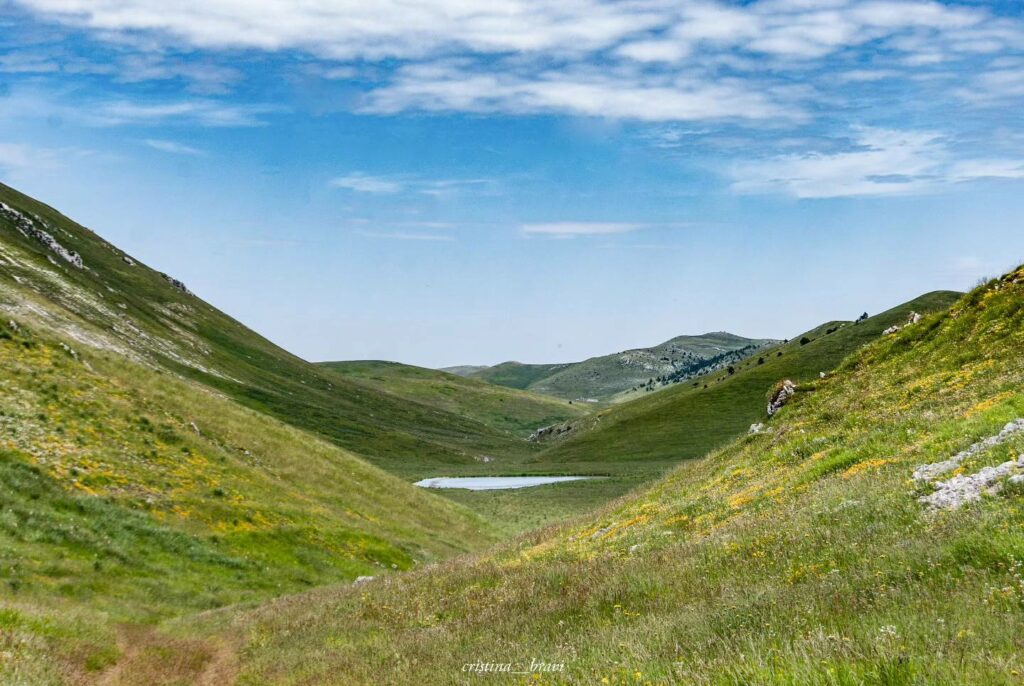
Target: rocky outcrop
x=781 y=394
x=27 y=227
x=176 y=284
x=966 y=488
x=930 y=472
x=914 y=318
x=756 y=428
x=554 y=431
x=891 y=330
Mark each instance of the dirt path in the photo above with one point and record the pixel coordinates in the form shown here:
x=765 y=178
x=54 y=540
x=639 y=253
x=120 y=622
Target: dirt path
x=149 y=658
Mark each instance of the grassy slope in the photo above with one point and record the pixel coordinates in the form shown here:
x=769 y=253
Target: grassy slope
x=135 y=486
x=136 y=310
x=797 y=556
x=684 y=422
x=512 y=411
x=112 y=504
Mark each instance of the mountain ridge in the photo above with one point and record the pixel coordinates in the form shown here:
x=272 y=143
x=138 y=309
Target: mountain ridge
x=602 y=377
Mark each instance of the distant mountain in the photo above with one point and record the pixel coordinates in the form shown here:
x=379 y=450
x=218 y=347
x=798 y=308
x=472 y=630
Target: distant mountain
x=640 y=369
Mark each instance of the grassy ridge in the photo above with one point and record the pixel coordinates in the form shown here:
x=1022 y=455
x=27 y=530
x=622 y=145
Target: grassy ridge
x=516 y=374
x=797 y=556
x=508 y=410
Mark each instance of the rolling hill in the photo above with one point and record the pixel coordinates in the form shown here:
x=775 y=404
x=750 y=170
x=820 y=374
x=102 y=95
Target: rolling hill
x=105 y=299
x=602 y=378
x=806 y=554
x=515 y=412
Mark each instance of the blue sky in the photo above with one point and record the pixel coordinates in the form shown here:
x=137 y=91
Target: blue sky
x=443 y=182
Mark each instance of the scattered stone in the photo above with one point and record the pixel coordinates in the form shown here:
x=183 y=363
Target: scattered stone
x=784 y=390
x=195 y=428
x=634 y=548
x=756 y=428
x=28 y=228
x=485 y=459
x=69 y=350
x=822 y=375
x=127 y=260
x=914 y=318
x=362 y=580
x=600 y=532
x=891 y=330
x=13 y=325
x=929 y=472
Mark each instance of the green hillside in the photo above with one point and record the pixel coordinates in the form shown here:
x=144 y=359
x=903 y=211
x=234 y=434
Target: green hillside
x=688 y=420
x=136 y=486
x=514 y=412
x=801 y=555
x=115 y=303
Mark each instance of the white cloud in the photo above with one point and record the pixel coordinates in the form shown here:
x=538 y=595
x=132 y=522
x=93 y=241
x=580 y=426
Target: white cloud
x=584 y=91
x=399 y=236
x=651 y=60
x=969 y=170
x=363 y=183
x=573 y=229
x=881 y=163
x=366 y=183
x=202 y=112
x=173 y=147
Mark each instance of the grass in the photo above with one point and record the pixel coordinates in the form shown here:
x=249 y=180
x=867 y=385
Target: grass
x=796 y=556
x=514 y=412
x=131 y=495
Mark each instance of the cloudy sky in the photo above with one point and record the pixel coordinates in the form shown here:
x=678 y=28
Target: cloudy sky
x=443 y=182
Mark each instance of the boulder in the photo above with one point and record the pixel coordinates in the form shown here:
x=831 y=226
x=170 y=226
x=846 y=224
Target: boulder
x=783 y=391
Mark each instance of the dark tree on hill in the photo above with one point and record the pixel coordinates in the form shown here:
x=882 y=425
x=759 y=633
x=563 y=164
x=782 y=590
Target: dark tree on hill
x=760 y=360
x=805 y=340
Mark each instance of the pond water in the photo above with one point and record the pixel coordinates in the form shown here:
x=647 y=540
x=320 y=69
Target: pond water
x=494 y=483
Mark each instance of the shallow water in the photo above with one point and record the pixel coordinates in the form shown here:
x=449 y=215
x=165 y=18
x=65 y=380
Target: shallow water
x=494 y=483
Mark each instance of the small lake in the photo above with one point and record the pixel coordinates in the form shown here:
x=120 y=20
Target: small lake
x=494 y=483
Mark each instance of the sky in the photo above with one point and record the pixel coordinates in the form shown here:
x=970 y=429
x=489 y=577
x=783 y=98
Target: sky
x=444 y=182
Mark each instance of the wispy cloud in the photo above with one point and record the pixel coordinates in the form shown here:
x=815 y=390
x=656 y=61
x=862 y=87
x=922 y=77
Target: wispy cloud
x=401 y=236
x=881 y=162
x=573 y=229
x=202 y=112
x=367 y=183
x=173 y=147
x=364 y=183
x=17 y=157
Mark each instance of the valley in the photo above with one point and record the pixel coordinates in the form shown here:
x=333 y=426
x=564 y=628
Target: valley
x=183 y=500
